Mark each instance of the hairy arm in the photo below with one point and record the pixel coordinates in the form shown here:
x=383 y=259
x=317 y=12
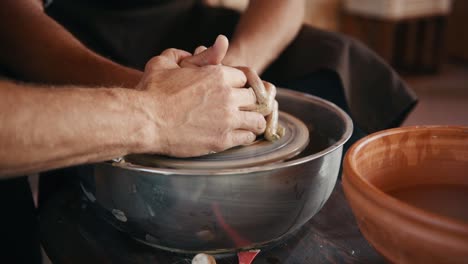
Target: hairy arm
x=174 y=111
x=38 y=49
x=264 y=30
x=43 y=128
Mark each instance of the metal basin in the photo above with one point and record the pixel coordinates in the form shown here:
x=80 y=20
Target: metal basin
x=213 y=210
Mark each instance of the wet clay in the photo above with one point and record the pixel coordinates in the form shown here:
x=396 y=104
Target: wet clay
x=443 y=199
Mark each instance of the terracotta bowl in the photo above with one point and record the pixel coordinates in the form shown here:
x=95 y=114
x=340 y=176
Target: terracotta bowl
x=408 y=189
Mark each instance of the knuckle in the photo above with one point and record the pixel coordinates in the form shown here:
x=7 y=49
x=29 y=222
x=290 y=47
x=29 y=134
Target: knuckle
x=154 y=63
x=243 y=80
x=169 y=51
x=220 y=72
x=230 y=118
x=226 y=140
x=226 y=96
x=271 y=88
x=250 y=137
x=245 y=138
x=242 y=75
x=261 y=123
x=222 y=143
x=230 y=96
x=225 y=118
x=217 y=70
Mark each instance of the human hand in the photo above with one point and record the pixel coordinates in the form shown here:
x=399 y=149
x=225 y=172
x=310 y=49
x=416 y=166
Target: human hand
x=220 y=53
x=204 y=56
x=265 y=92
x=197 y=110
x=266 y=105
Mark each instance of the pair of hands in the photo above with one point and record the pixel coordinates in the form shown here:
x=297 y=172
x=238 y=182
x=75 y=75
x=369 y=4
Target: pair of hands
x=197 y=105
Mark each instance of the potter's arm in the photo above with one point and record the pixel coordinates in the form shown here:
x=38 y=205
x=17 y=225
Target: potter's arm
x=36 y=48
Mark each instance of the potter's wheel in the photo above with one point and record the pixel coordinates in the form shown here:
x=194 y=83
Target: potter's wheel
x=248 y=197
x=259 y=153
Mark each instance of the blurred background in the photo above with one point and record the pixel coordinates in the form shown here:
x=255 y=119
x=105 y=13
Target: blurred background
x=426 y=41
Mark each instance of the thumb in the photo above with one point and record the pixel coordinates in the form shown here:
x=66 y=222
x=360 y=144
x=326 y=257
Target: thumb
x=211 y=56
x=170 y=58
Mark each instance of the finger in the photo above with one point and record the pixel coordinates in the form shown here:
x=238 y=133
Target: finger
x=270 y=89
x=244 y=99
x=172 y=57
x=271 y=132
x=256 y=83
x=199 y=49
x=211 y=56
x=240 y=138
x=251 y=121
x=234 y=77
x=271 y=94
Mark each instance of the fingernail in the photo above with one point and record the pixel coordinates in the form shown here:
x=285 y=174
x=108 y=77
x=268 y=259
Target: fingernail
x=219 y=38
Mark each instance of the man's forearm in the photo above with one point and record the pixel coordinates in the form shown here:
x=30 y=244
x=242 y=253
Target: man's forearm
x=38 y=49
x=264 y=30
x=46 y=128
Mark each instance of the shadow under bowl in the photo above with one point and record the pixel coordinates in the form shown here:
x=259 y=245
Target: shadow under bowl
x=408 y=189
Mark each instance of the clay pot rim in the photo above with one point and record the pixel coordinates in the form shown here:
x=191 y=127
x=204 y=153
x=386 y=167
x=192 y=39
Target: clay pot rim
x=394 y=205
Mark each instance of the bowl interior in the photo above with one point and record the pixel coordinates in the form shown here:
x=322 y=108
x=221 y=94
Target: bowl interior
x=425 y=167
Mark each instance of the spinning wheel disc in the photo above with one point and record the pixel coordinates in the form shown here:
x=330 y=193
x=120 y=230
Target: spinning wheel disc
x=261 y=152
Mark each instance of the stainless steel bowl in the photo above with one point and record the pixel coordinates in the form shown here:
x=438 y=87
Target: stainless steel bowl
x=225 y=210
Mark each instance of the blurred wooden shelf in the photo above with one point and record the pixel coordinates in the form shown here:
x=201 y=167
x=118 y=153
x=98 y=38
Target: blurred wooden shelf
x=457 y=46
x=411 y=45
x=398 y=9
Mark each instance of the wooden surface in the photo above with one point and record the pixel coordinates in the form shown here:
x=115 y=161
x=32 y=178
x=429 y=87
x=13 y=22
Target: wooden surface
x=71 y=233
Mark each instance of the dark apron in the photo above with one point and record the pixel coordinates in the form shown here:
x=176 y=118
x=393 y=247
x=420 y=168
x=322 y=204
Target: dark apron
x=132 y=32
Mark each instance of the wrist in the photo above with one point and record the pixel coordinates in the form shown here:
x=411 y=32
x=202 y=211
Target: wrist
x=239 y=56
x=141 y=129
x=235 y=56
